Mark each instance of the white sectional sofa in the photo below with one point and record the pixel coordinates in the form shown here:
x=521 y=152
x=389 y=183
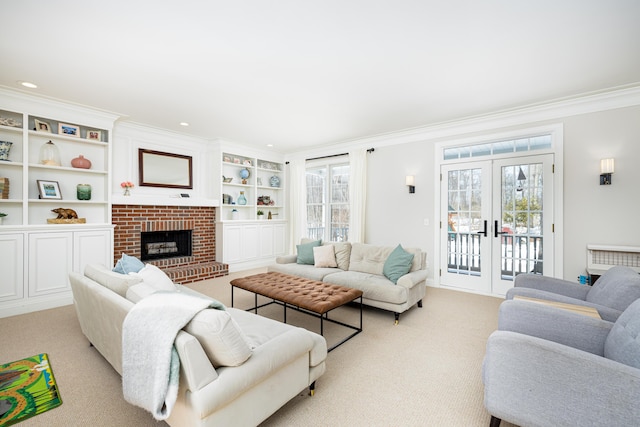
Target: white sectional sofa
x=362 y=266
x=283 y=359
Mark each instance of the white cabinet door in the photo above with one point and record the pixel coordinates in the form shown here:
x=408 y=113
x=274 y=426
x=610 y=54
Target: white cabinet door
x=232 y=244
x=91 y=247
x=11 y=266
x=50 y=261
x=266 y=240
x=249 y=243
x=279 y=239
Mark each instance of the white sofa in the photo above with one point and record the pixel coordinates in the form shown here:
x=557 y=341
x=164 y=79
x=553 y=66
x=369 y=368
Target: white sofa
x=360 y=266
x=284 y=359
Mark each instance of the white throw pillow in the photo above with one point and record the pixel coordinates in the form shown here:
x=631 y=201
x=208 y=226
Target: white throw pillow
x=324 y=256
x=220 y=336
x=136 y=292
x=156 y=278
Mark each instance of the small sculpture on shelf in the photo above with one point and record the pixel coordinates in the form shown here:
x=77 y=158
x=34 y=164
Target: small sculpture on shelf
x=64 y=213
x=66 y=216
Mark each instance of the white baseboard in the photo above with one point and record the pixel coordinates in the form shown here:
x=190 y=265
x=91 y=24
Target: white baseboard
x=23 y=306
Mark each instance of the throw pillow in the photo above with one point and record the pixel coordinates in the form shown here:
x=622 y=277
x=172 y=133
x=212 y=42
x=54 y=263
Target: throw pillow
x=398 y=264
x=324 y=256
x=118 y=283
x=220 y=336
x=128 y=264
x=305 y=252
x=136 y=292
x=156 y=278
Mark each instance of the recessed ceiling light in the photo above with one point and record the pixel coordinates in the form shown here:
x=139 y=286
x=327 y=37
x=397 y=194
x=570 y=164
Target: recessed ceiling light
x=29 y=85
x=269 y=145
x=184 y=124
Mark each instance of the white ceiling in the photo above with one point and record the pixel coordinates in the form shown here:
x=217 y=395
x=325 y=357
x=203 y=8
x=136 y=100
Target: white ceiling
x=301 y=73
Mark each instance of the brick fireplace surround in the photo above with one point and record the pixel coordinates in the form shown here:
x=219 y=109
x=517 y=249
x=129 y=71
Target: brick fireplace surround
x=131 y=220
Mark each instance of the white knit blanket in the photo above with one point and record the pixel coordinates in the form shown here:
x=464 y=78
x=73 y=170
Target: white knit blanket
x=150 y=363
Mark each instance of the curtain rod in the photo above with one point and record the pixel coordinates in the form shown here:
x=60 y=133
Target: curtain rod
x=370 y=150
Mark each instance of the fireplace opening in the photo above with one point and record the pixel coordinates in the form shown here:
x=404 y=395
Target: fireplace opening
x=165 y=244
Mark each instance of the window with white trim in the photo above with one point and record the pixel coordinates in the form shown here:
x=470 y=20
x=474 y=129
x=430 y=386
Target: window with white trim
x=328 y=201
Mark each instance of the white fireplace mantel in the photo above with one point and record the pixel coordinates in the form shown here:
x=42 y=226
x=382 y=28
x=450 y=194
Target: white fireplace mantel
x=150 y=200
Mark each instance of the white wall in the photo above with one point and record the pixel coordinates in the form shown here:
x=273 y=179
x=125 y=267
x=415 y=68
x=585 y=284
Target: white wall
x=128 y=138
x=592 y=213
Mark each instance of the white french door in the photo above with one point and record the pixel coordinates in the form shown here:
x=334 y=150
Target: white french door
x=499 y=222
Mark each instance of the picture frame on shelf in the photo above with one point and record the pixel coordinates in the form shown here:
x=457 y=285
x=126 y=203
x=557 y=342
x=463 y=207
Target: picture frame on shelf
x=42 y=126
x=49 y=189
x=94 y=135
x=68 y=130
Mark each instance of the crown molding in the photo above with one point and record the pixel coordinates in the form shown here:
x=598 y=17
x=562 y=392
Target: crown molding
x=619 y=97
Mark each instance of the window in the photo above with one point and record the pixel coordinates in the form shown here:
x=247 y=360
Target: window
x=540 y=142
x=328 y=201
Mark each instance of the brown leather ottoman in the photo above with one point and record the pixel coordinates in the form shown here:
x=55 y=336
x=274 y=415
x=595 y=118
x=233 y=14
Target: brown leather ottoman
x=298 y=293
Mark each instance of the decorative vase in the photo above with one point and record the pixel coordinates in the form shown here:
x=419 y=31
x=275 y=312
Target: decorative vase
x=126 y=191
x=83 y=191
x=235 y=214
x=5 y=146
x=241 y=199
x=49 y=154
x=81 y=163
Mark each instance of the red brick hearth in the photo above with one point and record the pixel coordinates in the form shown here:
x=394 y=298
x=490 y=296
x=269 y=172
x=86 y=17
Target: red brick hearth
x=131 y=220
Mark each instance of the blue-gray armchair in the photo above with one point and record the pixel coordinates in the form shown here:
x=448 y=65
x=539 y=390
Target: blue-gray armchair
x=611 y=294
x=550 y=367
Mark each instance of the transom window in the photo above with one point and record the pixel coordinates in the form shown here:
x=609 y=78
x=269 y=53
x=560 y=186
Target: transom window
x=540 y=142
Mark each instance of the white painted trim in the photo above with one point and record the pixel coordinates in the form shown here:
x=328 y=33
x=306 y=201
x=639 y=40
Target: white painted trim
x=28 y=305
x=618 y=97
x=557 y=149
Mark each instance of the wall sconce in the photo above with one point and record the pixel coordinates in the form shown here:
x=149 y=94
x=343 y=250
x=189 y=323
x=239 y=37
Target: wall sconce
x=606 y=169
x=410 y=181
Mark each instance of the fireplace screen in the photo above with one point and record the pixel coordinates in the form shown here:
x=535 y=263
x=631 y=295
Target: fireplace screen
x=165 y=244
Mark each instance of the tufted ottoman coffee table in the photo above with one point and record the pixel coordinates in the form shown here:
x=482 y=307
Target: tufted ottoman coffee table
x=301 y=294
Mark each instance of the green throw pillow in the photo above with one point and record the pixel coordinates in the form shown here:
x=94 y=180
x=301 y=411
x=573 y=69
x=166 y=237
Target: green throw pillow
x=397 y=264
x=305 y=252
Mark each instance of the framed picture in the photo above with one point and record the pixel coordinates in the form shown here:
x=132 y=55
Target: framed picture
x=49 y=189
x=42 y=126
x=94 y=135
x=159 y=169
x=69 y=130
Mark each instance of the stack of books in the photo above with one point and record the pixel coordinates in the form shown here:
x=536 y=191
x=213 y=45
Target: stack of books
x=4 y=188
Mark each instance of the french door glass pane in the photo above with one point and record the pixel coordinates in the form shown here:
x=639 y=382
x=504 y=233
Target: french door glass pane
x=464 y=222
x=521 y=228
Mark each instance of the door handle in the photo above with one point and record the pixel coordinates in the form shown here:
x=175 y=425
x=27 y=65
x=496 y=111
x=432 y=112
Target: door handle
x=495 y=229
x=485 y=229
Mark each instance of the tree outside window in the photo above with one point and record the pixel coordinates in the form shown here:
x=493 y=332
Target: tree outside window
x=328 y=202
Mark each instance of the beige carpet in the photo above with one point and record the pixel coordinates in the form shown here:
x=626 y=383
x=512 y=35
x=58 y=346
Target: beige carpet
x=423 y=372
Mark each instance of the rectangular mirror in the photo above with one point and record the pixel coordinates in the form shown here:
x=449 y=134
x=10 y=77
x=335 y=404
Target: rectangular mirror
x=158 y=169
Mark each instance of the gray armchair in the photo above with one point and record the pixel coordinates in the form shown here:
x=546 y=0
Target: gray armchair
x=614 y=291
x=547 y=366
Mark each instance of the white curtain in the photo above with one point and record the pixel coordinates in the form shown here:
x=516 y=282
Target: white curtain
x=357 y=194
x=297 y=203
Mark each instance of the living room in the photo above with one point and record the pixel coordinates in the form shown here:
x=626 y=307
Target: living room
x=592 y=115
